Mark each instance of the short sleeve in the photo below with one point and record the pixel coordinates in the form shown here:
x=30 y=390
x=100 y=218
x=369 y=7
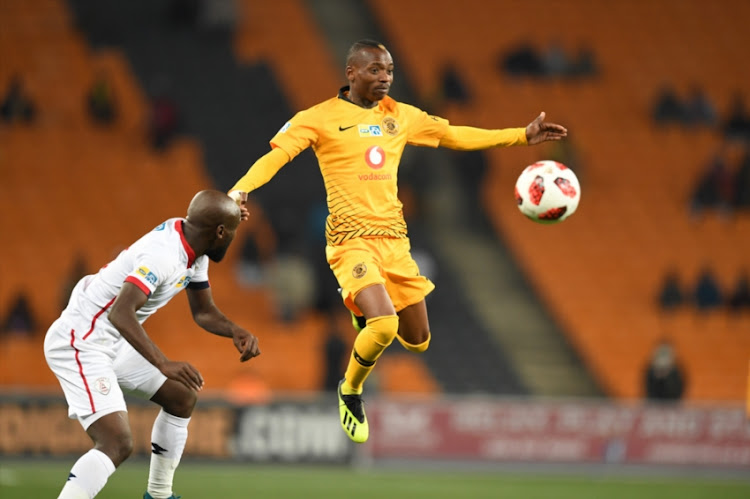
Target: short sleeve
x=297 y=134
x=147 y=275
x=200 y=278
x=425 y=129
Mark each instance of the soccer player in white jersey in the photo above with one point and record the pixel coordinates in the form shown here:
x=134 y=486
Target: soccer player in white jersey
x=98 y=348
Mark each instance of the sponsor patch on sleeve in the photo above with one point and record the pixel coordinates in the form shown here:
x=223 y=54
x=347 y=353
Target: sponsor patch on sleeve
x=285 y=127
x=147 y=274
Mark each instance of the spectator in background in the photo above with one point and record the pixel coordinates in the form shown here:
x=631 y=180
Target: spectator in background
x=17 y=105
x=707 y=295
x=163 y=121
x=20 y=319
x=715 y=189
x=664 y=380
x=453 y=87
x=737 y=125
x=292 y=282
x=100 y=101
x=739 y=299
x=742 y=182
x=584 y=63
x=522 y=61
x=668 y=107
x=671 y=296
x=699 y=110
x=554 y=61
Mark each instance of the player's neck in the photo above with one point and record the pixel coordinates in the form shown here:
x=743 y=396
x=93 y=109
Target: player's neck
x=193 y=238
x=361 y=101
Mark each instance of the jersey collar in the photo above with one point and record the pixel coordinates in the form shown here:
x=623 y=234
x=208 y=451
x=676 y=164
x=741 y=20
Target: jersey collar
x=387 y=103
x=178 y=225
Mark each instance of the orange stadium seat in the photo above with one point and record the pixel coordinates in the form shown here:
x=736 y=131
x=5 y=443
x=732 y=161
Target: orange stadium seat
x=633 y=223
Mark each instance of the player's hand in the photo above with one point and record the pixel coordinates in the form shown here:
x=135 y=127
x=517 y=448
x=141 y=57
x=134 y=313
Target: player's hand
x=246 y=344
x=184 y=373
x=241 y=199
x=538 y=131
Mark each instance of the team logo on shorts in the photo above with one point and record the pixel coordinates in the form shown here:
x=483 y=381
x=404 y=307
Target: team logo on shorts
x=390 y=126
x=359 y=270
x=102 y=385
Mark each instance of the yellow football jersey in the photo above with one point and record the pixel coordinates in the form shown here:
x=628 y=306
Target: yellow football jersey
x=359 y=151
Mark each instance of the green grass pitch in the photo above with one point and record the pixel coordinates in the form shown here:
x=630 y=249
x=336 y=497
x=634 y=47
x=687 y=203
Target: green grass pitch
x=27 y=479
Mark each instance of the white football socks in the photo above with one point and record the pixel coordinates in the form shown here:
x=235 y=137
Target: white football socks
x=88 y=476
x=168 y=439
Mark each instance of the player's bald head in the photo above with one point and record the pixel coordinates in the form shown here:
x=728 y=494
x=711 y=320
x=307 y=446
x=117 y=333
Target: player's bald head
x=358 y=50
x=211 y=208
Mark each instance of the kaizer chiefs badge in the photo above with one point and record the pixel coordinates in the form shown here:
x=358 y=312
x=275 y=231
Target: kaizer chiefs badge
x=359 y=270
x=390 y=125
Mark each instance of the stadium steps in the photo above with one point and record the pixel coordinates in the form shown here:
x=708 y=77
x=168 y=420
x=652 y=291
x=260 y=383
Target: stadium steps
x=507 y=309
x=599 y=272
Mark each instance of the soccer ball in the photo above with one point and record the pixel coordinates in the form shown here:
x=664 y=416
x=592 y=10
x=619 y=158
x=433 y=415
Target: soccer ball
x=547 y=192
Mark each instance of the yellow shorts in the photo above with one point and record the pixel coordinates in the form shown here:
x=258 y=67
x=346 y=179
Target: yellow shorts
x=362 y=262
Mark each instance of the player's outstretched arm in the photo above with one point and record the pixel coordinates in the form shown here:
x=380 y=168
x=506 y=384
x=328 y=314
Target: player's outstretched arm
x=260 y=173
x=208 y=316
x=538 y=131
x=122 y=316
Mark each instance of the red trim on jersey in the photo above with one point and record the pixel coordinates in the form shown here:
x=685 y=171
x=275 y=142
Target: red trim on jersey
x=100 y=312
x=80 y=369
x=134 y=280
x=190 y=253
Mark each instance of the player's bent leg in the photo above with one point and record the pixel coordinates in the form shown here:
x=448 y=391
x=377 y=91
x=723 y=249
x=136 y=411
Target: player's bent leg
x=113 y=443
x=368 y=346
x=169 y=436
x=414 y=327
x=111 y=435
x=176 y=398
x=418 y=348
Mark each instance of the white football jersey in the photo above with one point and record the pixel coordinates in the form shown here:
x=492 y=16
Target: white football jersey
x=161 y=264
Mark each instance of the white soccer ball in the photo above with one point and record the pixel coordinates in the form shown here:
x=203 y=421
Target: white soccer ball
x=547 y=192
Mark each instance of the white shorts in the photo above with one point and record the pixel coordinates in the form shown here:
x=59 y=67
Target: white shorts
x=94 y=375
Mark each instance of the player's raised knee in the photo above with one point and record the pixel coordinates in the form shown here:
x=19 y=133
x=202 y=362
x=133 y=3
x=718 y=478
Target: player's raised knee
x=416 y=347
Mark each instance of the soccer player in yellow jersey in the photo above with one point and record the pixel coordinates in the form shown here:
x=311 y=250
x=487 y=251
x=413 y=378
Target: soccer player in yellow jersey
x=358 y=138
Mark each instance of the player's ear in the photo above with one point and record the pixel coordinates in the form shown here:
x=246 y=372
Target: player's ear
x=220 y=231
